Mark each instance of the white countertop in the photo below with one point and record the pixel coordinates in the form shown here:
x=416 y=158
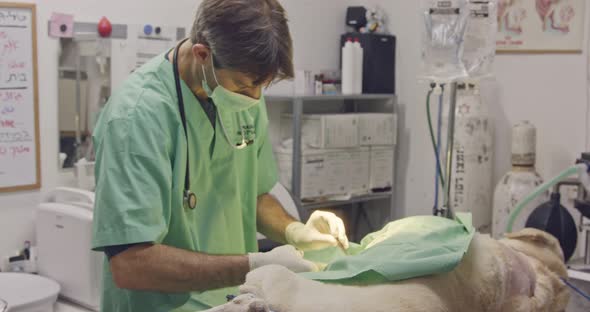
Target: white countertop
x=582 y=276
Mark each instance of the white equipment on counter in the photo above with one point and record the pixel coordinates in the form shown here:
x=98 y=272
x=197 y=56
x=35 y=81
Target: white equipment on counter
x=64 y=236
x=471 y=184
x=84 y=172
x=21 y=292
x=518 y=182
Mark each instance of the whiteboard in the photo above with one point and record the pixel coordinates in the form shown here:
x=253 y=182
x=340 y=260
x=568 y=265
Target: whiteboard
x=19 y=108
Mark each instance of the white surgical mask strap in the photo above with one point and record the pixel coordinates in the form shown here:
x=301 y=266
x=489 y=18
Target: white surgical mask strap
x=204 y=74
x=214 y=75
x=213 y=68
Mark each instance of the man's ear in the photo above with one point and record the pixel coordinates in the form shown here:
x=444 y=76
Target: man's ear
x=202 y=53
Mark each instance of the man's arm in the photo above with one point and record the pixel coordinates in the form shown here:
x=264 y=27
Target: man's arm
x=161 y=268
x=272 y=219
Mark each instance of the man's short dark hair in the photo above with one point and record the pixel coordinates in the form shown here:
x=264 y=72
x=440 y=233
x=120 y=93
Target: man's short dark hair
x=249 y=36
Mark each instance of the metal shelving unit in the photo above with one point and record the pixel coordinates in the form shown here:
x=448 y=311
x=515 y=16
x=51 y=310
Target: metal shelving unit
x=335 y=97
x=353 y=200
x=351 y=104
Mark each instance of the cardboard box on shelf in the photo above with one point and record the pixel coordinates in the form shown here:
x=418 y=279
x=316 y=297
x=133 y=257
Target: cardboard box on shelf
x=325 y=131
x=377 y=129
x=381 y=168
x=317 y=173
x=327 y=172
x=359 y=171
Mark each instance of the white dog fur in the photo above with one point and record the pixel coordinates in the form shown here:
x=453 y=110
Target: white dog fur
x=520 y=273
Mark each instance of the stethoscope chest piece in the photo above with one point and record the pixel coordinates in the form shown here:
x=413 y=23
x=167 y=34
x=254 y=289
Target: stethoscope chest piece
x=243 y=144
x=190 y=200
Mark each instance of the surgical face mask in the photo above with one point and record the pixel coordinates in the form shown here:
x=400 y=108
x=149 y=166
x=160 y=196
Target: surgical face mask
x=225 y=99
x=228 y=103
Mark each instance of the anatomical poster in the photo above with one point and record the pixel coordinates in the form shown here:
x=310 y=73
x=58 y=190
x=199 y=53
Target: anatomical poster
x=541 y=26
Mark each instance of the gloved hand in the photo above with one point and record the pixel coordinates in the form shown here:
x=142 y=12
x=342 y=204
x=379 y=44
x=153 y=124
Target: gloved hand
x=286 y=256
x=243 y=303
x=322 y=230
x=278 y=287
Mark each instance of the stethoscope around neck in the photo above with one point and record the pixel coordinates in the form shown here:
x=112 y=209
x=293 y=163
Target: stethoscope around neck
x=189 y=198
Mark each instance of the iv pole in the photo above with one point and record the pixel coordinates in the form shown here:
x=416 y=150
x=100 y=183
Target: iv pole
x=447 y=210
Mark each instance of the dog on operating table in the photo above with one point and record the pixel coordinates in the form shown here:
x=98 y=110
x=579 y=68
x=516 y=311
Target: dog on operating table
x=519 y=273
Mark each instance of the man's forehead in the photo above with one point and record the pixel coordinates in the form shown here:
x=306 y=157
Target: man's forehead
x=247 y=81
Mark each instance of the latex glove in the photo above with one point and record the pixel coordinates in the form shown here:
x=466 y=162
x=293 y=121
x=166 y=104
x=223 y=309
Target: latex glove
x=242 y=303
x=322 y=230
x=286 y=256
x=278 y=288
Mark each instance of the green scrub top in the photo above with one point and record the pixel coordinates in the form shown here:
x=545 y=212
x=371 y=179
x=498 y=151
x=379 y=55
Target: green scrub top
x=141 y=153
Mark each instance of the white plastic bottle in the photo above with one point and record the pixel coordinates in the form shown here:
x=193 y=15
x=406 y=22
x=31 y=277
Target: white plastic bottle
x=518 y=182
x=348 y=67
x=358 y=66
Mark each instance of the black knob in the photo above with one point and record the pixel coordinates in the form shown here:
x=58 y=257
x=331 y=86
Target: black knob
x=63 y=28
x=158 y=30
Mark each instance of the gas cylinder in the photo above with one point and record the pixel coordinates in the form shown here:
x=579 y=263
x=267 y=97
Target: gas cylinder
x=471 y=180
x=519 y=182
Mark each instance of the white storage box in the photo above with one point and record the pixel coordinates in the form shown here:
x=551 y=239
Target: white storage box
x=316 y=179
x=359 y=171
x=327 y=172
x=377 y=129
x=381 y=168
x=324 y=131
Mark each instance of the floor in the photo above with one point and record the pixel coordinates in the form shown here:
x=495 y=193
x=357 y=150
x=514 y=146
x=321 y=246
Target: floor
x=578 y=303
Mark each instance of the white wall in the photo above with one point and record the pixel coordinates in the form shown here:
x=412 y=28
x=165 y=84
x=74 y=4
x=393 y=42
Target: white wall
x=549 y=90
x=315 y=25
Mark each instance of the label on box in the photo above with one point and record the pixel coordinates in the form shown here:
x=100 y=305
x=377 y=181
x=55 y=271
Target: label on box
x=382 y=159
x=359 y=172
x=324 y=131
x=377 y=129
x=329 y=172
x=340 y=131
